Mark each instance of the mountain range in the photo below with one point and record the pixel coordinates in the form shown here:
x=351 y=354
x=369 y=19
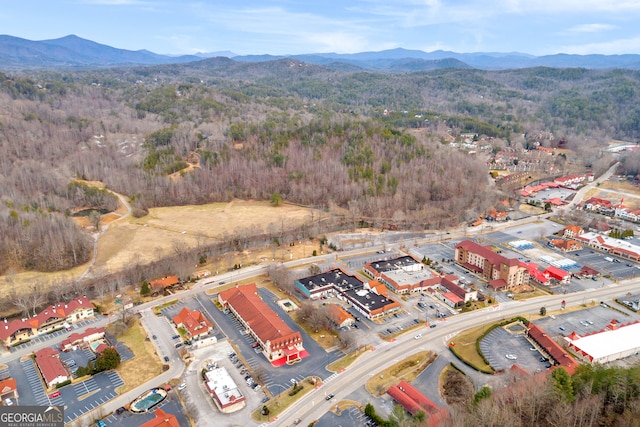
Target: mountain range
x=73 y=52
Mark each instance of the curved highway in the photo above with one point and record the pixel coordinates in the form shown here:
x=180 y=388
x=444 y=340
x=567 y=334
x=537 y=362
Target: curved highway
x=312 y=406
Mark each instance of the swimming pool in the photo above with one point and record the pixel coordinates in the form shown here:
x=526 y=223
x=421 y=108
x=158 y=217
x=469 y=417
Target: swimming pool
x=148 y=400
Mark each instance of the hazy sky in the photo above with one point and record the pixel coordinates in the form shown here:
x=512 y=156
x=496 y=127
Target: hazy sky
x=538 y=27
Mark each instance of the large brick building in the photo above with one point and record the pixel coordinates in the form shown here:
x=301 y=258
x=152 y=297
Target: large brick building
x=501 y=272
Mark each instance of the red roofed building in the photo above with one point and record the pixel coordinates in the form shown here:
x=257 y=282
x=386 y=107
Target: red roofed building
x=162 y=419
x=566 y=245
x=51 y=367
x=552 y=348
x=278 y=342
x=559 y=274
x=495 y=215
x=160 y=285
x=340 y=316
x=490 y=264
x=77 y=340
x=571 y=181
x=451 y=299
x=50 y=319
x=193 y=322
x=547 y=150
x=8 y=389
x=598 y=205
x=413 y=401
x=571 y=231
x=535 y=274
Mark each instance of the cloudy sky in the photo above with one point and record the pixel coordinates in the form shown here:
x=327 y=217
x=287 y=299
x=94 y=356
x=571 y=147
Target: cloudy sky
x=278 y=27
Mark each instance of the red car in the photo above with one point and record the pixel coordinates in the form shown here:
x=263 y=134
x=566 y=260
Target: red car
x=54 y=395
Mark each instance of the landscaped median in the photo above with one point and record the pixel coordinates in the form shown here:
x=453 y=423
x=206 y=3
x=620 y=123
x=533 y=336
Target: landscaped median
x=466 y=346
x=406 y=370
x=278 y=404
x=158 y=308
x=346 y=361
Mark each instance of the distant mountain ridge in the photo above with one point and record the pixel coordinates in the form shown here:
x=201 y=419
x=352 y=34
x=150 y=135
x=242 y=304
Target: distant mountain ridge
x=75 y=52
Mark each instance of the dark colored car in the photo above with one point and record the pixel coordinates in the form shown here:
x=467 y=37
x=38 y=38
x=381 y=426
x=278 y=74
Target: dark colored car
x=166 y=358
x=120 y=410
x=330 y=396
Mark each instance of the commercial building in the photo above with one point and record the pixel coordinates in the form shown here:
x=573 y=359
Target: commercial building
x=278 y=342
x=162 y=419
x=50 y=319
x=224 y=391
x=51 y=367
x=402 y=275
x=615 y=342
x=618 y=247
x=502 y=273
x=371 y=299
x=8 y=391
x=562 y=276
x=194 y=323
x=83 y=339
x=159 y=285
x=551 y=348
x=413 y=401
x=339 y=316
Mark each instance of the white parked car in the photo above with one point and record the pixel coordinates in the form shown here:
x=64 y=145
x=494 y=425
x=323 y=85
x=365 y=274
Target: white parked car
x=511 y=356
x=182 y=386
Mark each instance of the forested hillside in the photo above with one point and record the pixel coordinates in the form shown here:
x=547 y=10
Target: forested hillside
x=281 y=129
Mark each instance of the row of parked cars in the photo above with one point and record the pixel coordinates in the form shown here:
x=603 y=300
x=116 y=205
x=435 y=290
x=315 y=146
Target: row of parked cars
x=243 y=370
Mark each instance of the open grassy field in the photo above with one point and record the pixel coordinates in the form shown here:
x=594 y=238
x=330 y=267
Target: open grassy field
x=145 y=365
x=154 y=235
x=141 y=240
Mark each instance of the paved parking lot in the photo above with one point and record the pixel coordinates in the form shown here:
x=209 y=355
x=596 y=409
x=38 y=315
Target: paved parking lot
x=76 y=327
x=77 y=398
x=586 y=321
x=170 y=405
x=358 y=261
x=502 y=349
x=275 y=380
x=351 y=417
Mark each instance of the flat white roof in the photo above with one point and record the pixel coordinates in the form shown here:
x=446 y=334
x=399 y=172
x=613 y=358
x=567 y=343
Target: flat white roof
x=221 y=383
x=616 y=243
x=604 y=344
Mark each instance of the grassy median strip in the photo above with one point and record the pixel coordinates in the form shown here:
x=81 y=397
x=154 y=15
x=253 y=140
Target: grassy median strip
x=281 y=402
x=346 y=361
x=405 y=370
